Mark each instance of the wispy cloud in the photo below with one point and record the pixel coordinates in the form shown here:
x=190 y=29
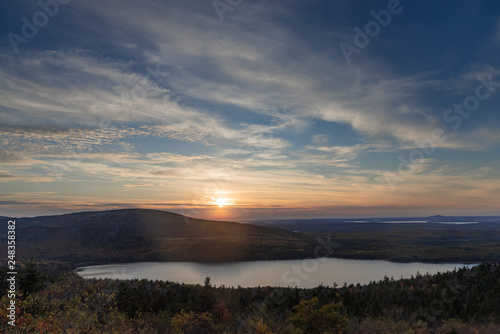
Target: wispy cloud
x=162 y=99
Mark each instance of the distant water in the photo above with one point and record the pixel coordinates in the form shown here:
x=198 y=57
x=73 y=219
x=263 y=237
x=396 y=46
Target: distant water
x=307 y=273
x=409 y=222
x=403 y=222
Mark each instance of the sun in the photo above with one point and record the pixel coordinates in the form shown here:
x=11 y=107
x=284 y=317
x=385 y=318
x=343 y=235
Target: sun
x=221 y=202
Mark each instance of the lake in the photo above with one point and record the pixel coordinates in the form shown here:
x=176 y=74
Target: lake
x=307 y=273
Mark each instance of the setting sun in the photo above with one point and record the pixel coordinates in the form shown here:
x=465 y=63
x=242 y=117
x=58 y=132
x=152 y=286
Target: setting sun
x=222 y=202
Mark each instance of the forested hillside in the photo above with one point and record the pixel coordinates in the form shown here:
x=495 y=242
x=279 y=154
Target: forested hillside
x=462 y=301
x=149 y=235
x=135 y=235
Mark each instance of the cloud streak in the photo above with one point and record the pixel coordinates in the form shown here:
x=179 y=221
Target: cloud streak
x=162 y=99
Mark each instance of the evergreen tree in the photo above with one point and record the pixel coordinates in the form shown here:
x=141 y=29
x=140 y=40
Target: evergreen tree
x=31 y=279
x=125 y=301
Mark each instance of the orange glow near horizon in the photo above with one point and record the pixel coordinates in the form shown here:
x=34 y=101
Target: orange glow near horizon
x=221 y=202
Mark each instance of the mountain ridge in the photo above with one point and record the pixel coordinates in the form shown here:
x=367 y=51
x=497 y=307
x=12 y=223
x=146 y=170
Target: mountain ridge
x=138 y=235
x=148 y=235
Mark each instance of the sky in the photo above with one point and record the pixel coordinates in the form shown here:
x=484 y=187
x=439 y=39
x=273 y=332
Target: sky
x=241 y=110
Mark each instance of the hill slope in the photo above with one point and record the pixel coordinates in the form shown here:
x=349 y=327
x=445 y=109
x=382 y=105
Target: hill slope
x=148 y=235
x=135 y=235
x=146 y=223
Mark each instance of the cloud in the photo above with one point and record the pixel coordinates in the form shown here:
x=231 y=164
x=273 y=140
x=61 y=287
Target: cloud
x=159 y=99
x=227 y=64
x=133 y=185
x=346 y=153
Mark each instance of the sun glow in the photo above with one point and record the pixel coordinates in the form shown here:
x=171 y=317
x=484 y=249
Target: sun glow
x=221 y=202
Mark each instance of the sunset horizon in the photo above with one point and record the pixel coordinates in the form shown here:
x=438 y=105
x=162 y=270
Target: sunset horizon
x=260 y=110
x=237 y=166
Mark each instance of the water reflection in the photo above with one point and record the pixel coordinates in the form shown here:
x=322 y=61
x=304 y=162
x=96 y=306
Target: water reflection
x=303 y=273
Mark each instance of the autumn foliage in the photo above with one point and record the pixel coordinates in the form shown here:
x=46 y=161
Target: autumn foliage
x=462 y=301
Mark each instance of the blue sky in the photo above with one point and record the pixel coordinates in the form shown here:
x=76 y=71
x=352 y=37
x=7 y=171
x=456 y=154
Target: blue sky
x=250 y=109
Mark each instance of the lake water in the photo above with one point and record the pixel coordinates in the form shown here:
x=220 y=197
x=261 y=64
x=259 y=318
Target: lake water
x=307 y=273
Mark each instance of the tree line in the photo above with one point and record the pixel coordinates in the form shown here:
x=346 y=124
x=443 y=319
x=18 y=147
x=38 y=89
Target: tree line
x=461 y=301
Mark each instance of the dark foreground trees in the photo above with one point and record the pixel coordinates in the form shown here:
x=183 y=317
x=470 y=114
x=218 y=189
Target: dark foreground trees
x=463 y=301
x=311 y=318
